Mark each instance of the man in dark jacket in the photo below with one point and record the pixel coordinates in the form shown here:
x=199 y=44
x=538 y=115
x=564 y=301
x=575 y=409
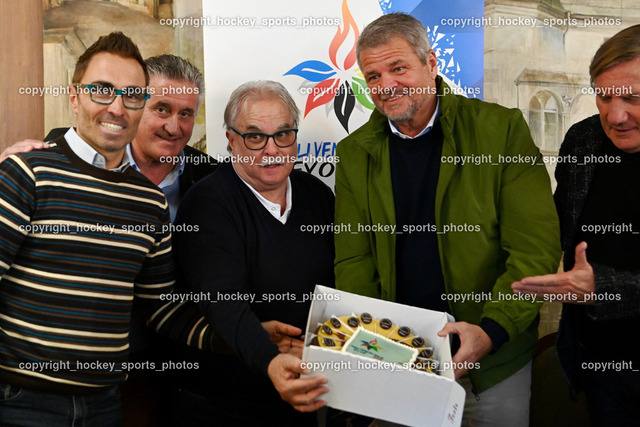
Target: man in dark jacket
x=598 y=178
x=160 y=149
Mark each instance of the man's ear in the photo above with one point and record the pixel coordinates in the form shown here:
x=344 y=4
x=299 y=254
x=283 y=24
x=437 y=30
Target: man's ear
x=432 y=63
x=229 y=136
x=73 y=98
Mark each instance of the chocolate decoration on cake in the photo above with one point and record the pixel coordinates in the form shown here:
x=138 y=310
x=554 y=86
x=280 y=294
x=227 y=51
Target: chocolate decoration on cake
x=327 y=330
x=328 y=342
x=353 y=322
x=336 y=323
x=386 y=323
x=366 y=318
x=404 y=331
x=417 y=342
x=426 y=353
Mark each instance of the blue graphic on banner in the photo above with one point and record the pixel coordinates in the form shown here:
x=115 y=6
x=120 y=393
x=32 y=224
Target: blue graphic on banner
x=460 y=49
x=389 y=6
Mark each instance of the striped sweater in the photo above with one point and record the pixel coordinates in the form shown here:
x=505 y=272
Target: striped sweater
x=78 y=243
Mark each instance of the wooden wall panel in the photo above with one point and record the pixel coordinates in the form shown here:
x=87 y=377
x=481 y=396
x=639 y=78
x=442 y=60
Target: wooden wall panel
x=21 y=66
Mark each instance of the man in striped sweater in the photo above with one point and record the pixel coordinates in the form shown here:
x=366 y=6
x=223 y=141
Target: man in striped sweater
x=83 y=234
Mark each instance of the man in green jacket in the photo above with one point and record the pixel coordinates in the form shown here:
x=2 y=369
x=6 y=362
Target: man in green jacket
x=448 y=202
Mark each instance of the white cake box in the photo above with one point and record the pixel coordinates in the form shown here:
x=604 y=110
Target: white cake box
x=381 y=390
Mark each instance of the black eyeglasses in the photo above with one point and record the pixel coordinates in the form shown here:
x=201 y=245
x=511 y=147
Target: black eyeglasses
x=257 y=140
x=133 y=97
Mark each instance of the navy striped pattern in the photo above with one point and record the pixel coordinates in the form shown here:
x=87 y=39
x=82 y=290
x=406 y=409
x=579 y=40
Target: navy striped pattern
x=77 y=244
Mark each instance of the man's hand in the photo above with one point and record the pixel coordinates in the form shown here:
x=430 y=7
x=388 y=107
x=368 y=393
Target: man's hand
x=283 y=335
x=301 y=393
x=571 y=286
x=474 y=343
x=22 y=147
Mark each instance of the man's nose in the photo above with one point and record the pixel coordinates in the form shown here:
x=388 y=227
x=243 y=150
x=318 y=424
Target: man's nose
x=117 y=106
x=271 y=147
x=172 y=125
x=617 y=113
x=388 y=81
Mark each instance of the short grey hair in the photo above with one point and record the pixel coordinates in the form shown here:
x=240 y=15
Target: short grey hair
x=176 y=68
x=393 y=25
x=257 y=90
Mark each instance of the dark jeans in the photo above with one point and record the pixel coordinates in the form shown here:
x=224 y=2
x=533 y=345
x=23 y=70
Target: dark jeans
x=190 y=408
x=29 y=408
x=613 y=397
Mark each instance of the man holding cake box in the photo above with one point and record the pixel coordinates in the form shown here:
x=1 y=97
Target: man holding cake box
x=482 y=226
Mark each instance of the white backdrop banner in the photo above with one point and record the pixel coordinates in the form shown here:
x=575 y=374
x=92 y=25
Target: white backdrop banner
x=309 y=47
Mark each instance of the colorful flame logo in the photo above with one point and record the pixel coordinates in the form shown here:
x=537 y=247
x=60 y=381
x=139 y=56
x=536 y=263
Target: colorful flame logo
x=329 y=86
x=371 y=345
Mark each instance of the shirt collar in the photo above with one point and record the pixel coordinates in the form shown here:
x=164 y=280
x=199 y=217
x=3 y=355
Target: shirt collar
x=88 y=154
x=273 y=208
x=434 y=116
x=171 y=177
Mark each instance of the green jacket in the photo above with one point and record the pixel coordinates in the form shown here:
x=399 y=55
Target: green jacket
x=507 y=204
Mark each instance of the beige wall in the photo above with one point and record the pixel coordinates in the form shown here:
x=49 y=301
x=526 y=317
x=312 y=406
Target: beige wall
x=549 y=60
